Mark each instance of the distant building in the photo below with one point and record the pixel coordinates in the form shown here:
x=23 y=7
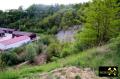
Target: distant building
x=14 y=42
x=2 y=33
x=11 y=38
x=29 y=34
x=7 y=30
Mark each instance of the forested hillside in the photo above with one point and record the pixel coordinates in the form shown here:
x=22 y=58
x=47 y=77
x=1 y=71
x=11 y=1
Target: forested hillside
x=96 y=42
x=41 y=18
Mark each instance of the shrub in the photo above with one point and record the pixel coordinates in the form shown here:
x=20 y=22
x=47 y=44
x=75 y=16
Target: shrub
x=47 y=39
x=10 y=58
x=77 y=77
x=30 y=52
x=19 y=49
x=67 y=49
x=2 y=65
x=54 y=49
x=65 y=52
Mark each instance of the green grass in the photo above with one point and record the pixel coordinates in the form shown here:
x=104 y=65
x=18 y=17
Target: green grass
x=9 y=75
x=92 y=58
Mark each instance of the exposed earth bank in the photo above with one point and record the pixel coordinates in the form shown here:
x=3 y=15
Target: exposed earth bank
x=68 y=73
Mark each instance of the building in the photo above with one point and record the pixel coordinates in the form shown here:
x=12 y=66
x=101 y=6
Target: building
x=14 y=42
x=2 y=33
x=7 y=30
x=29 y=34
x=5 y=37
x=12 y=38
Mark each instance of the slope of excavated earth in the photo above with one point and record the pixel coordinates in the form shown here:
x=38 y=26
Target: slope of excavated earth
x=68 y=73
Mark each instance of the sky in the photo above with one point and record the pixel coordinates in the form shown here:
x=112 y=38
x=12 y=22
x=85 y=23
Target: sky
x=14 y=4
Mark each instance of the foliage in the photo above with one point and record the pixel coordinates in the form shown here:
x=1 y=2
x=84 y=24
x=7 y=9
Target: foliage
x=66 y=49
x=101 y=24
x=30 y=52
x=10 y=58
x=41 y=18
x=53 y=50
x=47 y=39
x=2 y=65
x=69 y=18
x=101 y=18
x=77 y=77
x=92 y=58
x=9 y=75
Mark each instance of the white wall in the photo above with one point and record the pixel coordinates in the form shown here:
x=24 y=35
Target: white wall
x=18 y=44
x=2 y=47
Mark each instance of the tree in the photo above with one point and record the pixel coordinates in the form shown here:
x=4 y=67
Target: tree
x=101 y=22
x=30 y=53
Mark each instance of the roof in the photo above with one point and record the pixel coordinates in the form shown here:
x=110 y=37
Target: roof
x=2 y=31
x=14 y=40
x=22 y=33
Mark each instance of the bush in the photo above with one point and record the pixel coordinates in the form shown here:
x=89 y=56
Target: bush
x=19 y=50
x=85 y=40
x=47 y=39
x=30 y=52
x=54 y=50
x=67 y=49
x=2 y=65
x=77 y=77
x=10 y=58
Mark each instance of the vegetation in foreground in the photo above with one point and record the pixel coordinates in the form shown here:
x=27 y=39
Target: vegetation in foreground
x=92 y=58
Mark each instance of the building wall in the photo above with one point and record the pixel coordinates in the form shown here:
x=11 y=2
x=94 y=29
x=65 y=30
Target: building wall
x=18 y=44
x=2 y=47
x=14 y=45
x=7 y=36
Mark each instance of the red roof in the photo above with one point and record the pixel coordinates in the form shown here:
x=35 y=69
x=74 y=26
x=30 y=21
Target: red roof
x=14 y=40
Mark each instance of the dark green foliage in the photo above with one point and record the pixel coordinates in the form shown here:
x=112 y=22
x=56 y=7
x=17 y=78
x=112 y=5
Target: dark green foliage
x=70 y=18
x=42 y=18
x=2 y=65
x=47 y=39
x=10 y=58
x=77 y=77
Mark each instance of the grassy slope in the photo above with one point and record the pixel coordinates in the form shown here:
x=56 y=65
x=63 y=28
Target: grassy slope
x=93 y=58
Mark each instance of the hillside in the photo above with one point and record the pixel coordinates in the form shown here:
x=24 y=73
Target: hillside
x=92 y=58
x=73 y=41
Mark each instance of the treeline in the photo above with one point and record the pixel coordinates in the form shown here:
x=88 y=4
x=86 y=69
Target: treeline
x=26 y=19
x=43 y=18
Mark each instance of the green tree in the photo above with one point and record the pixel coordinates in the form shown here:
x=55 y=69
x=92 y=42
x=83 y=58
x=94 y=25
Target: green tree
x=101 y=23
x=30 y=52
